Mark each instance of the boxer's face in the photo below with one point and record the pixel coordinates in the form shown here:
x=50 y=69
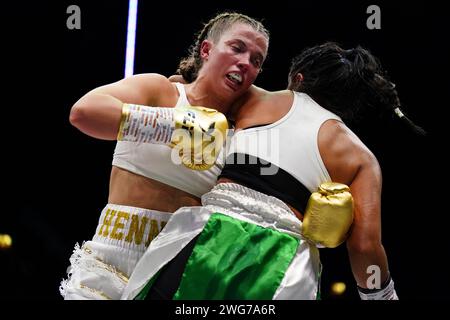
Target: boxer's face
x=234 y=62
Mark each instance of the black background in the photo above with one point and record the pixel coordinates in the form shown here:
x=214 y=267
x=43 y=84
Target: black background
x=56 y=179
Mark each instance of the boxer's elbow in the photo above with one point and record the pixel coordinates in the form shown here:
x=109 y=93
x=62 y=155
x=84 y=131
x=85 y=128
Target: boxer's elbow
x=364 y=244
x=84 y=117
x=363 y=248
x=78 y=115
x=97 y=115
x=87 y=108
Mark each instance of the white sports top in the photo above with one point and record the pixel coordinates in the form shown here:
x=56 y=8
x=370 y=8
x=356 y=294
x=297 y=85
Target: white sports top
x=154 y=161
x=289 y=143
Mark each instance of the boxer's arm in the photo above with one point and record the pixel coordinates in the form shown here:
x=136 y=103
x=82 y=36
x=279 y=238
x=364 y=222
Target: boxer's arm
x=367 y=255
x=349 y=161
x=98 y=113
x=364 y=244
x=197 y=133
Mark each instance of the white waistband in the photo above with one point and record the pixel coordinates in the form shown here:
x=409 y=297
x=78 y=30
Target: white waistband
x=129 y=227
x=239 y=201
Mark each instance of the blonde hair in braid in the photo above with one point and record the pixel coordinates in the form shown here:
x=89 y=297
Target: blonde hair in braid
x=213 y=30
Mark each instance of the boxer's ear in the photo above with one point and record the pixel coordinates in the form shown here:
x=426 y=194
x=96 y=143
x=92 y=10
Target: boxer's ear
x=177 y=78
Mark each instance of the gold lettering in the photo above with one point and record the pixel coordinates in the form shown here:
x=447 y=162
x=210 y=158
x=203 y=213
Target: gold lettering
x=163 y=224
x=153 y=231
x=137 y=230
x=118 y=225
x=107 y=220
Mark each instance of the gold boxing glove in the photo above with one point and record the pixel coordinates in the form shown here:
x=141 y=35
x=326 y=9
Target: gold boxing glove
x=328 y=215
x=196 y=133
x=207 y=131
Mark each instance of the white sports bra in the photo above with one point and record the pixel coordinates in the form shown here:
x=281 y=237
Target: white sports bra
x=289 y=144
x=154 y=161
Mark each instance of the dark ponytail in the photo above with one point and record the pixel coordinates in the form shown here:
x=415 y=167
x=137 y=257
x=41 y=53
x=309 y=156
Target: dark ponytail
x=418 y=130
x=350 y=83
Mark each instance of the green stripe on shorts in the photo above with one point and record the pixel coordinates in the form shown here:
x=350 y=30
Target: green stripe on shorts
x=233 y=259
